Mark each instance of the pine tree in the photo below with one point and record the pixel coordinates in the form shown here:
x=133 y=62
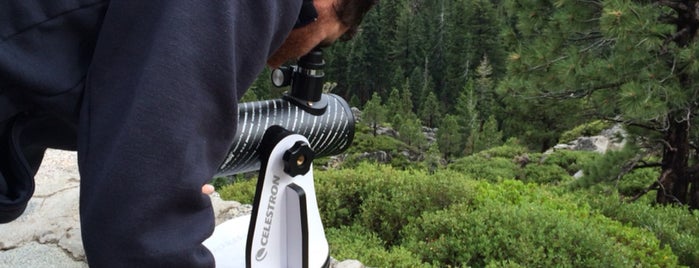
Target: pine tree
x=394 y=105
x=485 y=89
x=467 y=117
x=634 y=62
x=410 y=132
x=430 y=110
x=374 y=113
x=449 y=137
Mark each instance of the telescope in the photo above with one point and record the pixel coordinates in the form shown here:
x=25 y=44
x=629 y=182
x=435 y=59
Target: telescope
x=281 y=138
x=326 y=120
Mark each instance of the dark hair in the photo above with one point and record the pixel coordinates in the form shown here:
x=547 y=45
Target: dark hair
x=351 y=13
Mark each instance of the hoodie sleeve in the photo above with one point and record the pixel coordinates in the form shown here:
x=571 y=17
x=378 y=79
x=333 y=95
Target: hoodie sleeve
x=157 y=118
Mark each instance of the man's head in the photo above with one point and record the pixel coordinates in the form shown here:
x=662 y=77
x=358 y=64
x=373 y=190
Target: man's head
x=337 y=19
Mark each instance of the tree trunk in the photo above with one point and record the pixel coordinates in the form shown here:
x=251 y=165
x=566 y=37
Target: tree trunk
x=675 y=187
x=674 y=181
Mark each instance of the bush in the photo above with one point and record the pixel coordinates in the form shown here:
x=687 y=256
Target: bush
x=357 y=243
x=525 y=226
x=571 y=161
x=384 y=200
x=544 y=174
x=242 y=191
x=386 y=217
x=674 y=226
x=606 y=168
x=509 y=150
x=365 y=141
x=489 y=169
x=637 y=181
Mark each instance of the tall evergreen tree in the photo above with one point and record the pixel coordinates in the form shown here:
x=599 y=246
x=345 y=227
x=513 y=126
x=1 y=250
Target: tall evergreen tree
x=485 y=89
x=635 y=62
x=430 y=110
x=449 y=137
x=410 y=132
x=374 y=112
x=467 y=115
x=394 y=105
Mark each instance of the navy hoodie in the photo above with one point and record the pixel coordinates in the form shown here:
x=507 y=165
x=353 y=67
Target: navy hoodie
x=146 y=92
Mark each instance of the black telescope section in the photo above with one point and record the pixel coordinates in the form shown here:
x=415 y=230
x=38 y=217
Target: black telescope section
x=306 y=79
x=309 y=78
x=329 y=133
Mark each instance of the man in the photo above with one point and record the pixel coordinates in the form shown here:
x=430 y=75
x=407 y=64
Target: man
x=146 y=92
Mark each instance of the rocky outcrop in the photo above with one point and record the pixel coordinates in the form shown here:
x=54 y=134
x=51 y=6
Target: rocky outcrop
x=613 y=138
x=48 y=234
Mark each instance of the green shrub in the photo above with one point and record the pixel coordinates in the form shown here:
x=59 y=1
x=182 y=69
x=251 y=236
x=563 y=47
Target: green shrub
x=587 y=129
x=530 y=234
x=489 y=169
x=509 y=150
x=543 y=174
x=606 y=168
x=674 y=226
x=365 y=141
x=360 y=244
x=384 y=200
x=404 y=197
x=571 y=161
x=242 y=191
x=637 y=181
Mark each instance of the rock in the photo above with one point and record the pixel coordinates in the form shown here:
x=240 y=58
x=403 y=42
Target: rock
x=226 y=210
x=430 y=134
x=357 y=114
x=34 y=254
x=347 y=264
x=387 y=131
x=613 y=138
x=594 y=143
x=378 y=156
x=52 y=216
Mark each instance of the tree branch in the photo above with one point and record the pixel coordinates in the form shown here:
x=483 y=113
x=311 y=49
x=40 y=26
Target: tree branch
x=653 y=186
x=648 y=165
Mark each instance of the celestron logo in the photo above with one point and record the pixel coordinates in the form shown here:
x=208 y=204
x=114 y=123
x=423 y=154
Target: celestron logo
x=269 y=217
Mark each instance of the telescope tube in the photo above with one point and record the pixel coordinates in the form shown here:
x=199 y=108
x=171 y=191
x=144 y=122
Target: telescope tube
x=329 y=133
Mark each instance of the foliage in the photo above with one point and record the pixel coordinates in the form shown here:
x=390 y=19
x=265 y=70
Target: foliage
x=374 y=113
x=571 y=161
x=543 y=174
x=242 y=191
x=674 y=226
x=409 y=218
x=637 y=181
x=511 y=149
x=488 y=136
x=449 y=138
x=430 y=110
x=634 y=62
x=607 y=168
x=385 y=202
x=357 y=243
x=532 y=235
x=490 y=169
x=410 y=132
